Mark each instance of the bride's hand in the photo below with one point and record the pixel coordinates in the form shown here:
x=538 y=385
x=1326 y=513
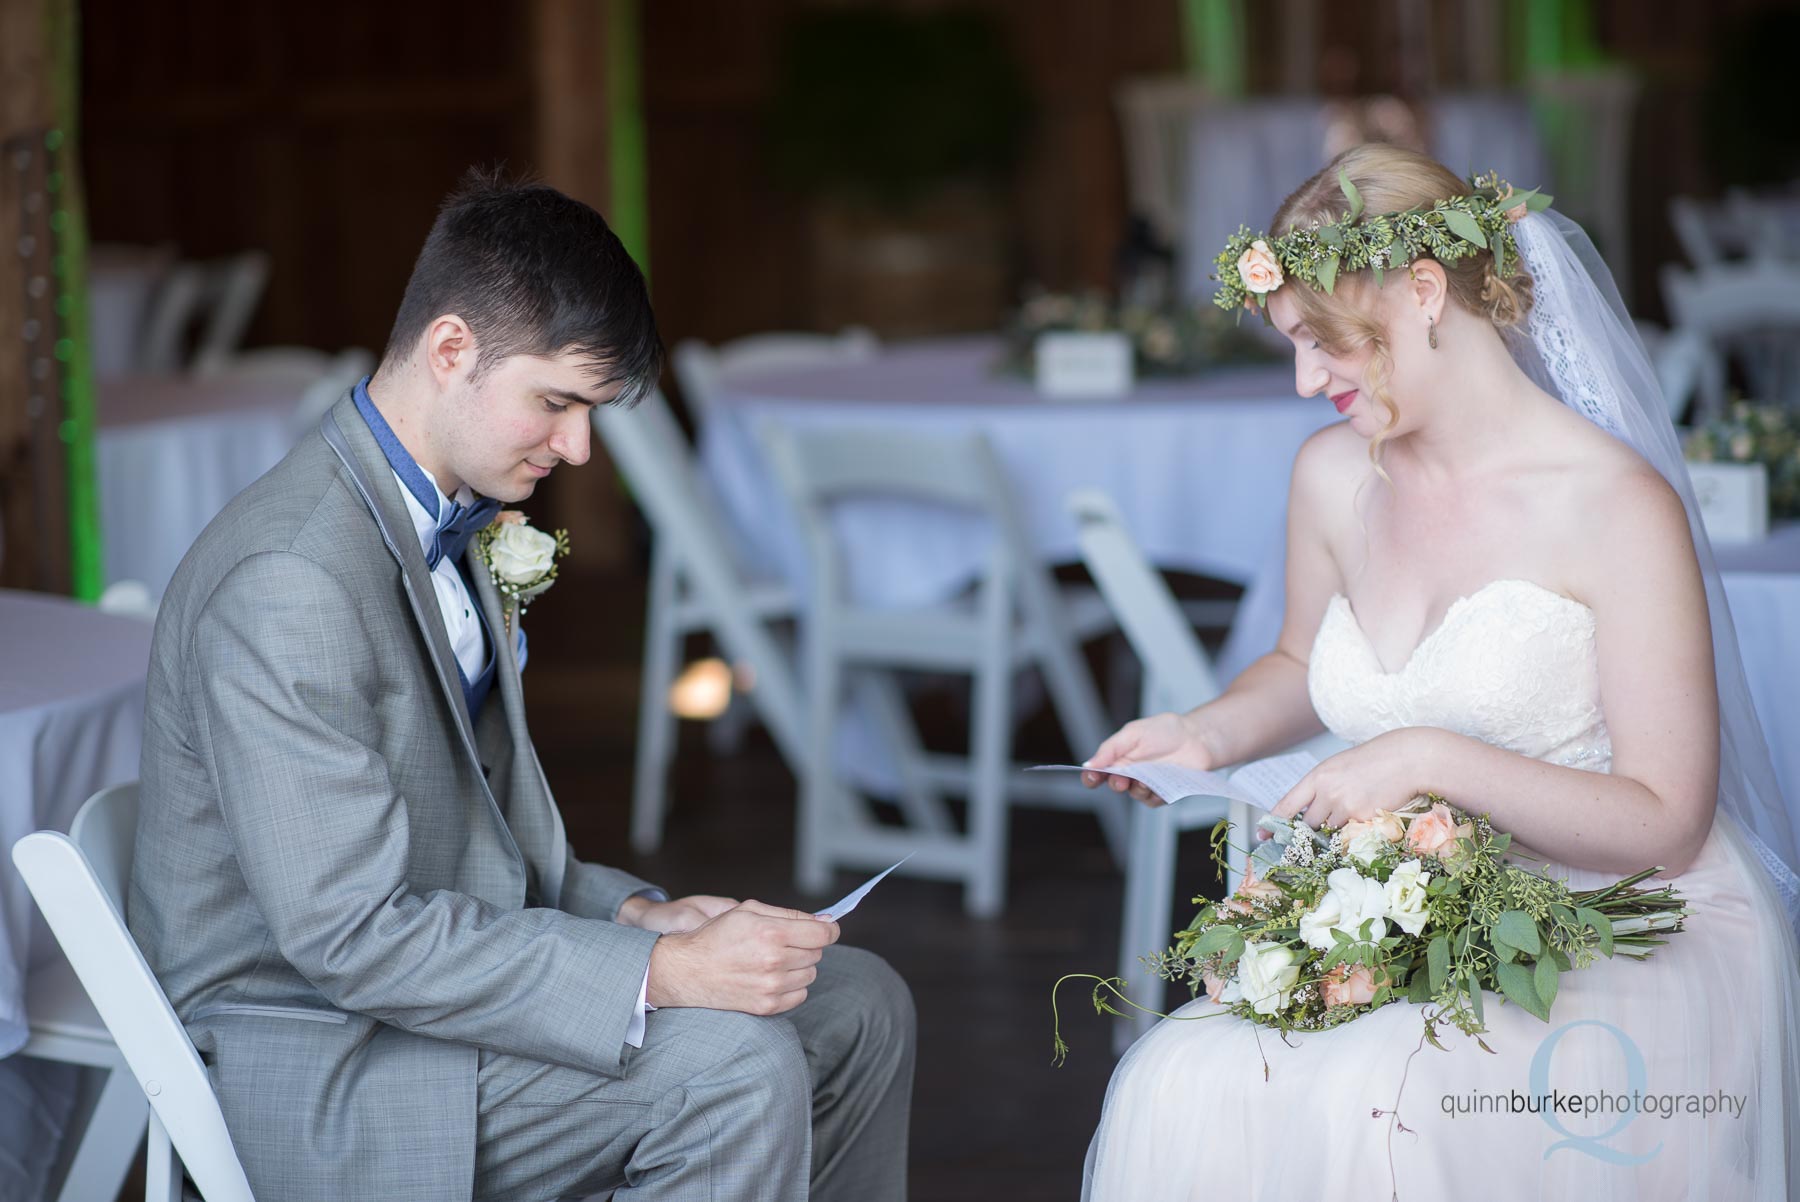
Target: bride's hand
x=1159 y=737
x=1382 y=774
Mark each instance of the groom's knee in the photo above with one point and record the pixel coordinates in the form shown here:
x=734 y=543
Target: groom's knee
x=867 y=1008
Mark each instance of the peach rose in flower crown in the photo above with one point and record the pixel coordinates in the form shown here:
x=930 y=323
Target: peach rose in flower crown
x=1258 y=269
x=1350 y=985
x=1435 y=832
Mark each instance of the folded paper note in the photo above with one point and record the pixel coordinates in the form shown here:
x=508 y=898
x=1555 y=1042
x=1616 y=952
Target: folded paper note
x=1260 y=784
x=850 y=900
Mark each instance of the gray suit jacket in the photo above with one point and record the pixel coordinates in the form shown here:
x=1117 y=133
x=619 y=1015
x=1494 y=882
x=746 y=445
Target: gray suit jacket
x=347 y=888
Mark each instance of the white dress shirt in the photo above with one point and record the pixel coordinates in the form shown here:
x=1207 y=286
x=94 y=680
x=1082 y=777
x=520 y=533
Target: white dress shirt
x=467 y=641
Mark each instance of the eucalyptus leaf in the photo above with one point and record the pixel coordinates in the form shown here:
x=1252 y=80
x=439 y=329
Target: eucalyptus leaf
x=1600 y=924
x=1437 y=960
x=1544 y=978
x=1330 y=235
x=1516 y=928
x=1328 y=274
x=1418 y=990
x=1516 y=983
x=1465 y=227
x=1350 y=193
x=1220 y=939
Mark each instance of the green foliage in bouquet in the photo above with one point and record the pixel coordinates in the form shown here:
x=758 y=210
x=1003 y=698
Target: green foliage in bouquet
x=1417 y=905
x=1750 y=433
x=1170 y=340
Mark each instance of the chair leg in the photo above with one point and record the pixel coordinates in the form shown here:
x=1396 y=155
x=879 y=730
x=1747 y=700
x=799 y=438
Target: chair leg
x=663 y=640
x=821 y=798
x=162 y=1175
x=109 y=1142
x=990 y=737
x=1149 y=880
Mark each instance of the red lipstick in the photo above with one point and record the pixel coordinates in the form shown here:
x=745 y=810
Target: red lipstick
x=1343 y=399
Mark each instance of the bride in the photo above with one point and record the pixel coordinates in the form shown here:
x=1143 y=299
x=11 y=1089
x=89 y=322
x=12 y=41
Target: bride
x=1497 y=591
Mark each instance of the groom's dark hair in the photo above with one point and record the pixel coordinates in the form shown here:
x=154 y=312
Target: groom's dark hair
x=532 y=272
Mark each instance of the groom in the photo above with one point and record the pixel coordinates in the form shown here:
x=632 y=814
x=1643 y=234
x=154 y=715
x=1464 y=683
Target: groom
x=350 y=876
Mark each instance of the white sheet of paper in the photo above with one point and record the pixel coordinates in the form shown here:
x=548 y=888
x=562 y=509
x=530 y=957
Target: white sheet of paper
x=850 y=900
x=1259 y=784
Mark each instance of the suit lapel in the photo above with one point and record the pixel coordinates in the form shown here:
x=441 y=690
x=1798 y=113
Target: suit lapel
x=530 y=810
x=349 y=436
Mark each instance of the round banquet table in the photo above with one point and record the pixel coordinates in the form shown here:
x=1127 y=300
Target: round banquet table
x=71 y=723
x=171 y=451
x=1198 y=466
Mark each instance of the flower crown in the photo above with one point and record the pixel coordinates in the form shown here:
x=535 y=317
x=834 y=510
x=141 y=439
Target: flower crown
x=1252 y=266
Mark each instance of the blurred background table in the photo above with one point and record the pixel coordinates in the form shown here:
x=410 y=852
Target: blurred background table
x=71 y=723
x=1199 y=466
x=172 y=450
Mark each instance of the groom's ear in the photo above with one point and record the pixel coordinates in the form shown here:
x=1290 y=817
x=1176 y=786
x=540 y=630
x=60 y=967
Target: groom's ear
x=449 y=349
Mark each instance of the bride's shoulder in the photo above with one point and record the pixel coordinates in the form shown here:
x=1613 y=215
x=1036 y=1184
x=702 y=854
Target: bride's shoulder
x=1336 y=454
x=1625 y=512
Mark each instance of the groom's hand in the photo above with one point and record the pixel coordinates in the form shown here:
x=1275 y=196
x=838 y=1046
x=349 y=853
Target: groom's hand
x=754 y=958
x=673 y=917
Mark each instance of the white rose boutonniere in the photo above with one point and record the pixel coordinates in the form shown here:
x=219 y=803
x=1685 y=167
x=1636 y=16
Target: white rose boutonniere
x=521 y=558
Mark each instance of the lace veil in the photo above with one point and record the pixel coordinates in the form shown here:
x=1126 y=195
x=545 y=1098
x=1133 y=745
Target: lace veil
x=1581 y=347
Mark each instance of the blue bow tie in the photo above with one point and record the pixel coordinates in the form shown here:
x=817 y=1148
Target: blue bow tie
x=457 y=526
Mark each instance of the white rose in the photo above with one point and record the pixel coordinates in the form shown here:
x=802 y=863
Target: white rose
x=520 y=555
x=1350 y=900
x=1266 y=974
x=1406 y=900
x=1367 y=847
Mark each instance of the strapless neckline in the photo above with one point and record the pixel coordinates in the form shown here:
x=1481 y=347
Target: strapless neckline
x=1460 y=606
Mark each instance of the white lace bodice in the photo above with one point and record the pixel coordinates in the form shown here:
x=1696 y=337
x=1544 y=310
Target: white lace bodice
x=1512 y=664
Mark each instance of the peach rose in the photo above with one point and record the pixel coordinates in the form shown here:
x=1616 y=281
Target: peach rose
x=1385 y=826
x=510 y=517
x=1517 y=213
x=1253 y=888
x=1435 y=832
x=1350 y=985
x=1258 y=269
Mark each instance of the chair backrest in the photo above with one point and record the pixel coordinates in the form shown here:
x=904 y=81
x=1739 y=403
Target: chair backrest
x=1156 y=115
x=1179 y=672
x=79 y=881
x=647 y=445
x=819 y=469
x=702 y=368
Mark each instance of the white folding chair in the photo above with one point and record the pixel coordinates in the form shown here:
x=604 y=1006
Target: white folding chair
x=1750 y=309
x=702 y=368
x=79 y=881
x=1177 y=676
x=696 y=584
x=1016 y=618
x=1155 y=115
x=222 y=296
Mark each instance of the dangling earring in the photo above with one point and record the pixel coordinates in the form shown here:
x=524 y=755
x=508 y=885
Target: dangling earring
x=1431 y=328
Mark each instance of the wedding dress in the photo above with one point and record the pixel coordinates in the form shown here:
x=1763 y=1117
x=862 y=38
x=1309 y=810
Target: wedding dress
x=1712 y=1015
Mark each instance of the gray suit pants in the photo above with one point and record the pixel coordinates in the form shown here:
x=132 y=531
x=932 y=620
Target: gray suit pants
x=719 y=1106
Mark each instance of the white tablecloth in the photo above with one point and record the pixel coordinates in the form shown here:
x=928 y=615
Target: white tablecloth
x=71 y=723
x=172 y=450
x=1762 y=585
x=1199 y=467
x=1244 y=159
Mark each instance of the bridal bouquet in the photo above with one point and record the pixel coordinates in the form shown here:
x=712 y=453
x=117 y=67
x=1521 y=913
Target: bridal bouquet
x=1416 y=904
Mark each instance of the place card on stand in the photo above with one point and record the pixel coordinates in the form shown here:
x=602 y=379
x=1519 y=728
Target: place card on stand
x=1734 y=500
x=1083 y=366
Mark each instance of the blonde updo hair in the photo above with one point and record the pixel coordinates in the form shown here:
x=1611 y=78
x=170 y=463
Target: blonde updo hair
x=1391 y=179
